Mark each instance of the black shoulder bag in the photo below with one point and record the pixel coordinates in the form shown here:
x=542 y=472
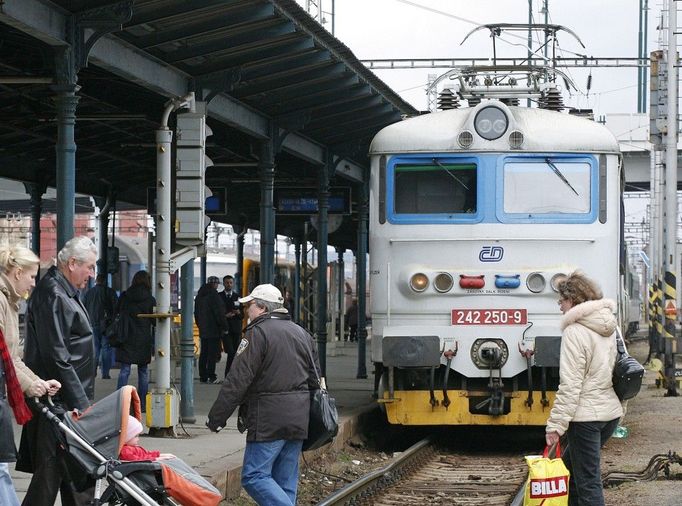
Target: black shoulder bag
x=323 y=424
x=627 y=373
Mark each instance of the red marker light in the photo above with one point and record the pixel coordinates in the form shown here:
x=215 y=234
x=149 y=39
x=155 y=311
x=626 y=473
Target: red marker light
x=471 y=281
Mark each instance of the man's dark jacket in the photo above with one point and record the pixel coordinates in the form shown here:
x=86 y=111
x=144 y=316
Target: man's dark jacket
x=58 y=345
x=101 y=302
x=270 y=378
x=59 y=341
x=231 y=304
x=209 y=312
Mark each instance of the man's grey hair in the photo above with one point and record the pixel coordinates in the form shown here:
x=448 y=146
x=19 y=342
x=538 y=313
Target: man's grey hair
x=78 y=247
x=268 y=306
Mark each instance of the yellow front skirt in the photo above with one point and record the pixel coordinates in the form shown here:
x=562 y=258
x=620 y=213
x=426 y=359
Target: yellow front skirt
x=412 y=407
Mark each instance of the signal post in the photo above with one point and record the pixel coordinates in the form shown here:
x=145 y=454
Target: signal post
x=163 y=402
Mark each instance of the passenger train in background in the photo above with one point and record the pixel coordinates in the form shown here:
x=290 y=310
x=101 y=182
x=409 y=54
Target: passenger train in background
x=475 y=215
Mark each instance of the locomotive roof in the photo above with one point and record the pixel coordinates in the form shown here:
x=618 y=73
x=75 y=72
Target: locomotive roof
x=543 y=131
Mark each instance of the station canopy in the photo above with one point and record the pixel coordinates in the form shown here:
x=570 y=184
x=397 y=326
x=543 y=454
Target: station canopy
x=258 y=63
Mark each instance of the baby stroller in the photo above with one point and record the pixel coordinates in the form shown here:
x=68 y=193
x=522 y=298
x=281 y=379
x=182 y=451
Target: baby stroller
x=93 y=440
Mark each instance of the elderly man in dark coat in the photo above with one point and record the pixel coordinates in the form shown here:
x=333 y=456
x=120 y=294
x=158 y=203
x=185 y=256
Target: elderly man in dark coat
x=270 y=382
x=59 y=345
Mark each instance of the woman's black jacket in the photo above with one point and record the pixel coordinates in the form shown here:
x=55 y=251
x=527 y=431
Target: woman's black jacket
x=138 y=339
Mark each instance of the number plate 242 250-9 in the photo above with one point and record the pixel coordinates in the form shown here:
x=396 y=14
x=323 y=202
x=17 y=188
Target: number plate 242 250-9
x=489 y=317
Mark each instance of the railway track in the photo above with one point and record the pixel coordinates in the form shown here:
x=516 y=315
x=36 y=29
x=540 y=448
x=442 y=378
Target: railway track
x=426 y=474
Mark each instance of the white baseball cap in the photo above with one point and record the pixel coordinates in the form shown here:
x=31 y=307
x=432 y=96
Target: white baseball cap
x=266 y=292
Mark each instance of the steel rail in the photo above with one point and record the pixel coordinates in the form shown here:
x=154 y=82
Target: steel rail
x=387 y=473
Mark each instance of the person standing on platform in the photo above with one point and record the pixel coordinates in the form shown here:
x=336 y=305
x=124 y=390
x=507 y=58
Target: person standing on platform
x=58 y=345
x=586 y=407
x=101 y=301
x=270 y=382
x=137 y=344
x=209 y=313
x=234 y=315
x=18 y=270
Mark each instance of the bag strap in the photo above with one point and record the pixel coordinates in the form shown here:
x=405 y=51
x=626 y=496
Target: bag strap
x=620 y=346
x=312 y=363
x=548 y=449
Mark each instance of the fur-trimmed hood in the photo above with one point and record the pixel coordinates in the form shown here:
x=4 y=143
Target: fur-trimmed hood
x=596 y=315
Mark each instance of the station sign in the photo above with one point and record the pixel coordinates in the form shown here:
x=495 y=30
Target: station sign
x=303 y=201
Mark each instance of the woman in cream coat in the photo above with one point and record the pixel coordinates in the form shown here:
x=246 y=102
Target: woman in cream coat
x=586 y=408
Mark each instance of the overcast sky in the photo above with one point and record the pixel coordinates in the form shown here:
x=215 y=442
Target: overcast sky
x=401 y=29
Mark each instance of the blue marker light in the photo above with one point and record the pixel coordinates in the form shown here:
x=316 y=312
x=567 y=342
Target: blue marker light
x=502 y=281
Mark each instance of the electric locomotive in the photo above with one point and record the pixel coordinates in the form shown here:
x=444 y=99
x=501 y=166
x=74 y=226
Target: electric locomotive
x=475 y=215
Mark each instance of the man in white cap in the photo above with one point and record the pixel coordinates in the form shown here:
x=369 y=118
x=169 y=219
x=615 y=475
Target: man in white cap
x=270 y=381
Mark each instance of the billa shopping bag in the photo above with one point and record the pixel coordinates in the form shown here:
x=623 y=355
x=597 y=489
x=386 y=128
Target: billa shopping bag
x=547 y=483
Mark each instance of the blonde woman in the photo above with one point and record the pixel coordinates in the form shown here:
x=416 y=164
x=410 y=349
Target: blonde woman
x=18 y=270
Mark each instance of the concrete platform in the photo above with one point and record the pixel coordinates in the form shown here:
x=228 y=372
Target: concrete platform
x=218 y=457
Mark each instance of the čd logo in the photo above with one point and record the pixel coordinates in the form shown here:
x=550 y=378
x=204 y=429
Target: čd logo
x=549 y=487
x=491 y=254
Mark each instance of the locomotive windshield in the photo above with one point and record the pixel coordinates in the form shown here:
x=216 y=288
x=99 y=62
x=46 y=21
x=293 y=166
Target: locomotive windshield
x=435 y=188
x=566 y=187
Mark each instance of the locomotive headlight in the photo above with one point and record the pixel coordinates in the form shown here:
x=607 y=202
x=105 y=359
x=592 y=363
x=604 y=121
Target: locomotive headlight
x=491 y=123
x=556 y=279
x=443 y=282
x=419 y=282
x=536 y=282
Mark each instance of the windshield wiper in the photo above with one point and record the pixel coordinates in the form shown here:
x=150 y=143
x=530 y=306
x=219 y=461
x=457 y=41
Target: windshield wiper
x=447 y=171
x=556 y=170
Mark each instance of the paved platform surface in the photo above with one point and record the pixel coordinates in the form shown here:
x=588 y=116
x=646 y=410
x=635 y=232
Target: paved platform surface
x=218 y=457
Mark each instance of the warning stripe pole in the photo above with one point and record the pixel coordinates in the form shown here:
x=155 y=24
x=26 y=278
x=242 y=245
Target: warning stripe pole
x=670 y=343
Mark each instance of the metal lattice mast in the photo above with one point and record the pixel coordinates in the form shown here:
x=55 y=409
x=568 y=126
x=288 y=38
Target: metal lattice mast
x=431 y=93
x=670 y=222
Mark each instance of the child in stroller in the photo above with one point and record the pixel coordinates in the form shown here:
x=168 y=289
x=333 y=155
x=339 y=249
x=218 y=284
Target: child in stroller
x=94 y=446
x=132 y=450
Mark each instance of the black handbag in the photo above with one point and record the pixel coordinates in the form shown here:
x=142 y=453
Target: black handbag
x=117 y=330
x=114 y=332
x=627 y=373
x=323 y=424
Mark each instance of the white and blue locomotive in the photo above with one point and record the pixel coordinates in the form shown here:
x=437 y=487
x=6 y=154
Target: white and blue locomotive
x=475 y=215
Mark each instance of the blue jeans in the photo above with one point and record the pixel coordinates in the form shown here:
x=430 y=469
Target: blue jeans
x=8 y=495
x=102 y=346
x=270 y=471
x=142 y=381
x=583 y=460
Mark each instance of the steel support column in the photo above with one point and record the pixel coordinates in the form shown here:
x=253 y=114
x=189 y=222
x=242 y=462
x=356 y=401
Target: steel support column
x=266 y=172
x=36 y=191
x=340 y=251
x=322 y=240
x=297 y=280
x=202 y=269
x=103 y=218
x=187 y=343
x=239 y=275
x=361 y=275
x=66 y=102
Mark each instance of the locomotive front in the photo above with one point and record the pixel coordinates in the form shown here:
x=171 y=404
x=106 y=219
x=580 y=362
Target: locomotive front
x=475 y=215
